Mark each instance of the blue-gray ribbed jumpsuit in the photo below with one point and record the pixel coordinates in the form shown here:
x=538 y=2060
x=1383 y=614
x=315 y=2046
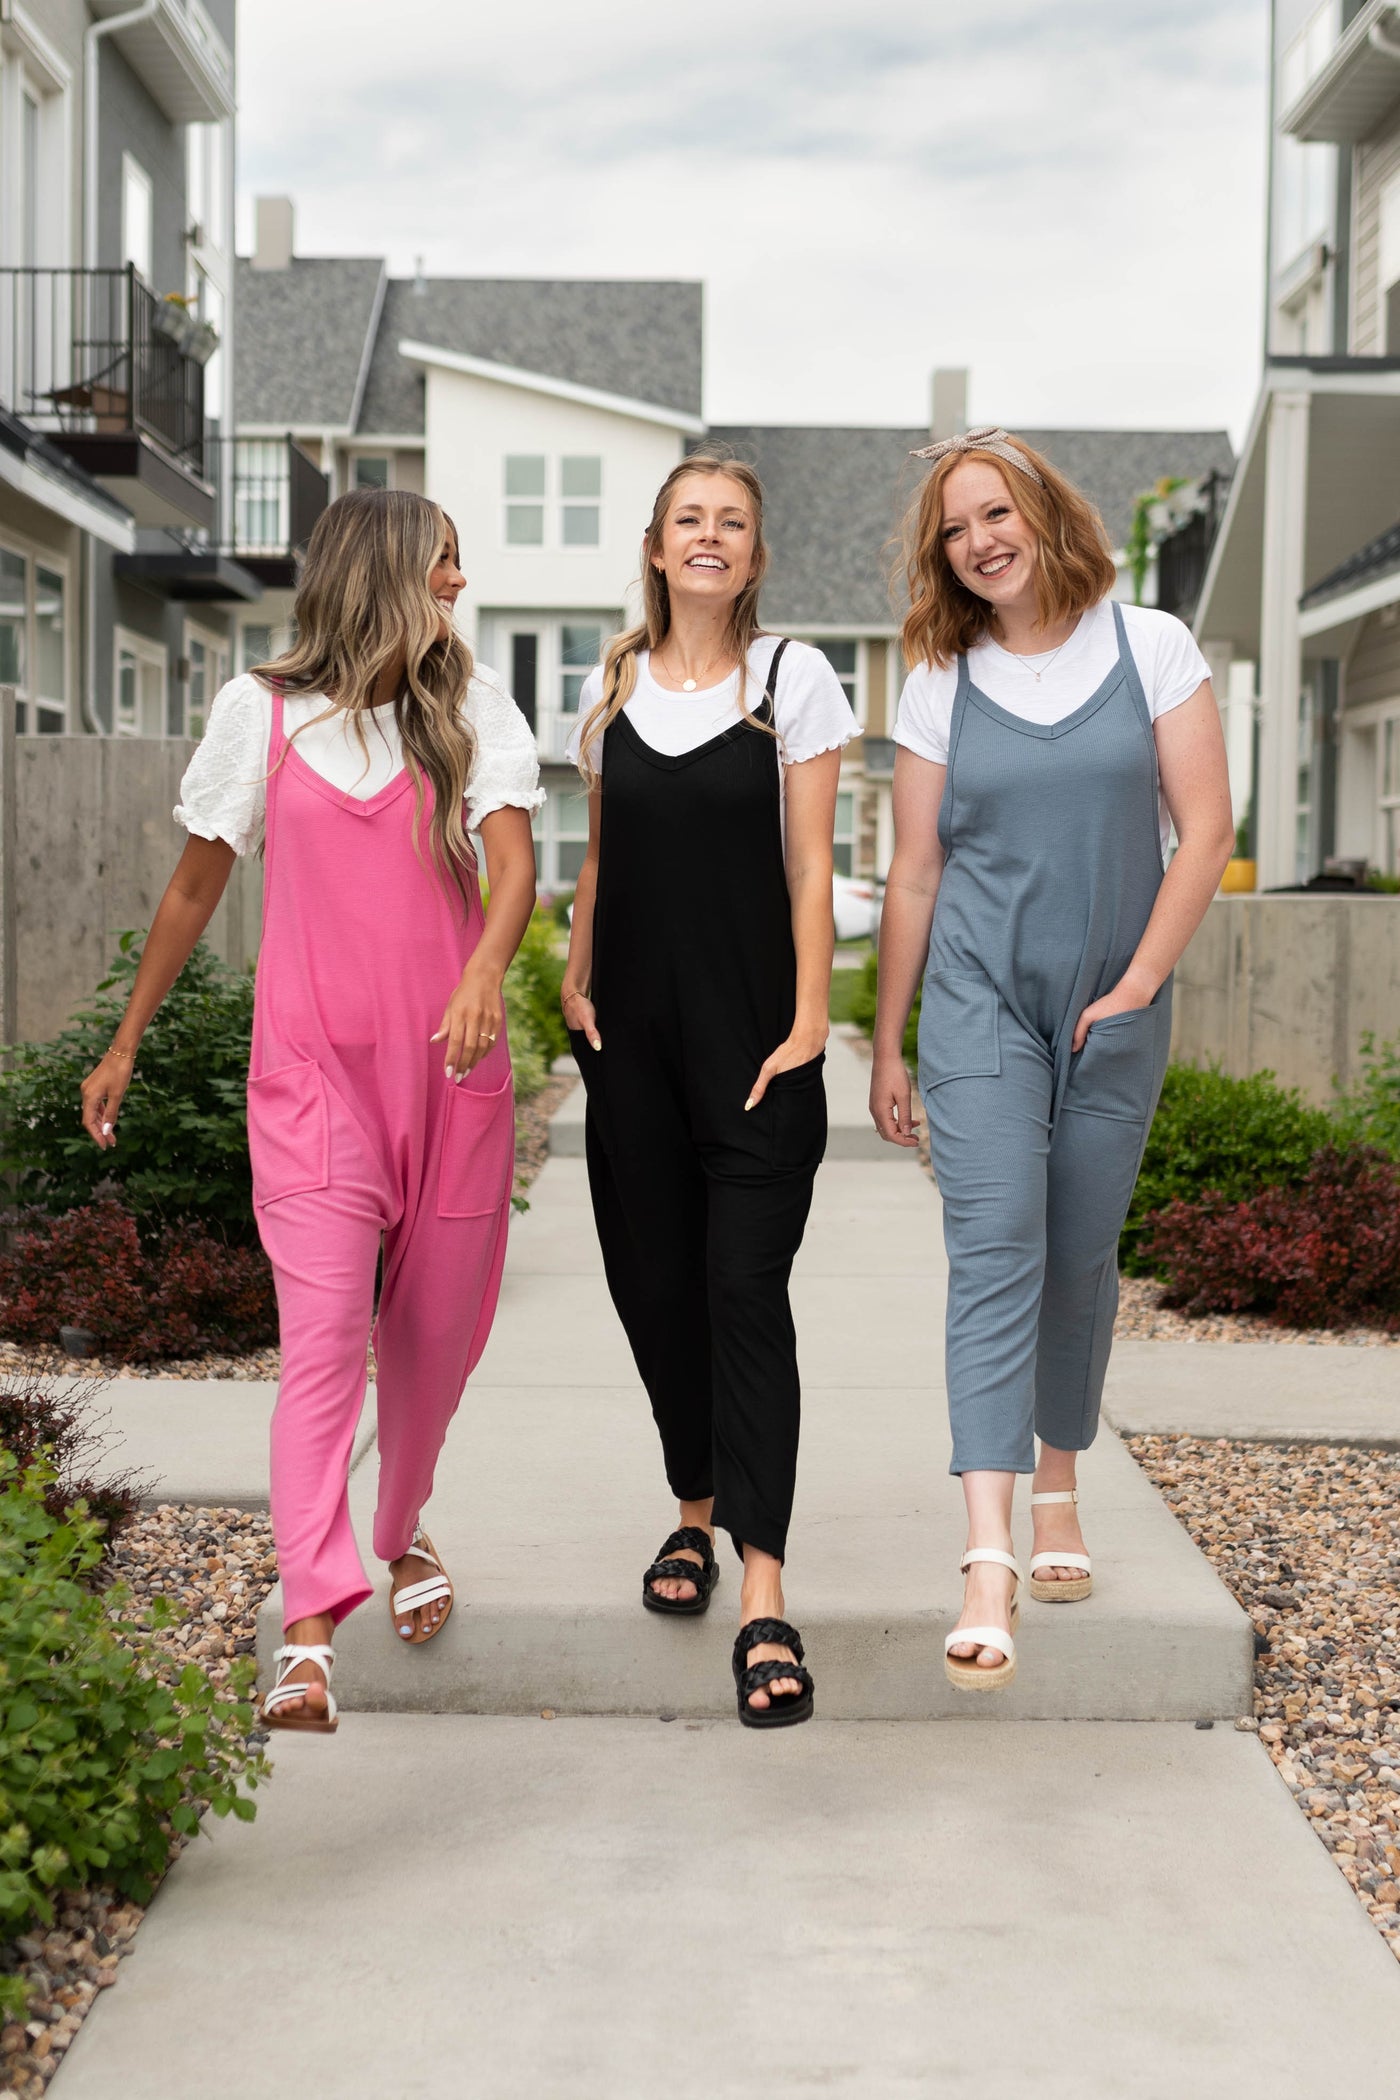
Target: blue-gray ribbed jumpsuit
x=1053 y=861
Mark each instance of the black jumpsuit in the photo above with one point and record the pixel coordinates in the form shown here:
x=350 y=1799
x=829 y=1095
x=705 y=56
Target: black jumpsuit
x=700 y=1206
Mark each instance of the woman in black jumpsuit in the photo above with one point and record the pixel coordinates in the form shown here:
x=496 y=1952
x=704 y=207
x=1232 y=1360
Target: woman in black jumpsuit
x=697 y=999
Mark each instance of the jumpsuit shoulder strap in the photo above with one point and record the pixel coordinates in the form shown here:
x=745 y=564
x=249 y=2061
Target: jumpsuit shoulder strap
x=771 y=688
x=1130 y=669
x=277 y=736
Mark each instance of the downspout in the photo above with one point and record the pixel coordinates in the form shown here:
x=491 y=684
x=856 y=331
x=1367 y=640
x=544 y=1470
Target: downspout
x=95 y=31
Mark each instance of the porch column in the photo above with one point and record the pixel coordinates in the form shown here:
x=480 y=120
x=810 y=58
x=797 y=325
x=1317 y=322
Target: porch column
x=1285 y=532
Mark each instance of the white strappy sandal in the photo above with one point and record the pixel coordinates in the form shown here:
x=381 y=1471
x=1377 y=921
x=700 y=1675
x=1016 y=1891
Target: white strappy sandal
x=415 y=1596
x=1060 y=1592
x=965 y=1671
x=310 y=1721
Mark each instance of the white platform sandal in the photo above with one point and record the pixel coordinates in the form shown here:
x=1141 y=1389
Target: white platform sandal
x=965 y=1671
x=1060 y=1592
x=415 y=1596
x=310 y=1721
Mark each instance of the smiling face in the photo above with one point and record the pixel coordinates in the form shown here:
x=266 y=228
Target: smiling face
x=707 y=542
x=446 y=582
x=991 y=546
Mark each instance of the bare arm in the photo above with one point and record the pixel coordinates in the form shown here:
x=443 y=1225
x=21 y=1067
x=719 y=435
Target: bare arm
x=911 y=892
x=1195 y=781
x=200 y=879
x=810 y=795
x=474 y=1012
x=574 y=993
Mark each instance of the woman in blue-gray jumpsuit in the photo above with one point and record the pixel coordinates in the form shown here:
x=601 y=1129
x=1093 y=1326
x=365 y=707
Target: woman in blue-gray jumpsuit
x=1049 y=738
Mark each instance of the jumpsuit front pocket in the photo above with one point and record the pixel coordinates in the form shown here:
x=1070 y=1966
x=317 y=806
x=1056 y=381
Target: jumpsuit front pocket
x=289 y=1134
x=478 y=1151
x=1115 y=1074
x=958 y=1035
x=797 y=1125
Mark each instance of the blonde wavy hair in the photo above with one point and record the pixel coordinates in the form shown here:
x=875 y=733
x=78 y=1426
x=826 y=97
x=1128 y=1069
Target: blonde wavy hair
x=362 y=606
x=1074 y=565
x=620 y=657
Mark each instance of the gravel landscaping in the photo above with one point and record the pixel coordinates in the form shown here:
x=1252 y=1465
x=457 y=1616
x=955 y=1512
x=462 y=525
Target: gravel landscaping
x=1308 y=1539
x=214 y=1567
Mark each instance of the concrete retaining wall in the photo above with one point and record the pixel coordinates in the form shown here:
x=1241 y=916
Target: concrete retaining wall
x=1289 y=984
x=87 y=845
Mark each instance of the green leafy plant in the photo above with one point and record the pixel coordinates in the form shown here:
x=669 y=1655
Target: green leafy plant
x=108 y=1747
x=57 y=1434
x=183 y=1144
x=861 y=1003
x=533 y=1016
x=1212 y=1132
x=1369 y=1114
x=1149 y=527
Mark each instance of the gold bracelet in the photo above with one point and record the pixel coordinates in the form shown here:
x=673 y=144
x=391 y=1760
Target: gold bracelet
x=113 y=1051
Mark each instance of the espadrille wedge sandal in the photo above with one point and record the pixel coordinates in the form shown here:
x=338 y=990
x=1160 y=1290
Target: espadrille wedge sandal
x=1078 y=1586
x=965 y=1671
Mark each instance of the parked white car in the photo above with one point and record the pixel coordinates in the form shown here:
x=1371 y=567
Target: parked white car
x=855 y=904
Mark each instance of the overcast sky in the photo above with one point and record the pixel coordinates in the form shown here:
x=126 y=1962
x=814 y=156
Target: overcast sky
x=1064 y=195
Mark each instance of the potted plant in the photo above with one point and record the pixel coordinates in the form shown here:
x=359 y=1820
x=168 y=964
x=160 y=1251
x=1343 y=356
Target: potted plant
x=173 y=319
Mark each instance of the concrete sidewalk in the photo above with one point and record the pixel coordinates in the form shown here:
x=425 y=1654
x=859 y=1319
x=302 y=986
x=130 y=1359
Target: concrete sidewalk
x=551 y=1500
x=606 y=1910
x=1267 y=1392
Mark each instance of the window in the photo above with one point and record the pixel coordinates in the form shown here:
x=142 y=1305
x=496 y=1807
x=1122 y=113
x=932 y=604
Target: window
x=553 y=503
x=561 y=839
x=29 y=179
x=371 y=471
x=525 y=478
x=34 y=639
x=1389 y=785
x=524 y=674
x=580 y=520
x=254 y=644
x=844 y=843
x=136 y=216
x=581 y=652
x=138 y=686
x=260 y=496
x=207 y=657
x=1303 y=776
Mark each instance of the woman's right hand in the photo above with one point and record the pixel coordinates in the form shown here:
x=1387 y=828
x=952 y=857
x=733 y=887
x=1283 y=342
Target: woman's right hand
x=579 y=1015
x=892 y=1100
x=102 y=1092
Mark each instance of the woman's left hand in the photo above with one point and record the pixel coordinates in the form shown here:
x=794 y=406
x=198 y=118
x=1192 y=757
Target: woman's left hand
x=800 y=1048
x=472 y=1021
x=1128 y=996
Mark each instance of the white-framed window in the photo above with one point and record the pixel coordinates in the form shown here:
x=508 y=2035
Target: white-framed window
x=561 y=837
x=207 y=656
x=1308 y=52
x=552 y=502
x=371 y=470
x=257 y=643
x=138 y=238
x=843 y=850
x=847 y=660
x=1389 y=265
x=545 y=658
x=138 y=685
x=261 y=496
x=1305 y=777
x=35 y=637
x=1388 y=792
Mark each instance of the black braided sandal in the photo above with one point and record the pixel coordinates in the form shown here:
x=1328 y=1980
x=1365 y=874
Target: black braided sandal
x=663 y=1570
x=786 y=1708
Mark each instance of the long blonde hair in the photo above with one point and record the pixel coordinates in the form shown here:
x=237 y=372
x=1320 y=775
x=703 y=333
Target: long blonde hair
x=362 y=605
x=620 y=659
x=1074 y=567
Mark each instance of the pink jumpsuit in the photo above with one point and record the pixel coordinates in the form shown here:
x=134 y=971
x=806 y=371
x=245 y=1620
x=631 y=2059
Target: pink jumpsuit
x=357 y=1135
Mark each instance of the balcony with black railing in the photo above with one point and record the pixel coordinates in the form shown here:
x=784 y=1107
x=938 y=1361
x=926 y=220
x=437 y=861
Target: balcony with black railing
x=1184 y=555
x=268 y=494
x=114 y=376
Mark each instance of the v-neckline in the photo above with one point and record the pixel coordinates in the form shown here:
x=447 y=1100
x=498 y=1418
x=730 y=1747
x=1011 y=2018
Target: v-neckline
x=342 y=798
x=671 y=761
x=1103 y=692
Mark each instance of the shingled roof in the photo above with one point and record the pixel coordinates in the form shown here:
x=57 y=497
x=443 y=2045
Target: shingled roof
x=304 y=335
x=638 y=339
x=1379 y=557
x=836 y=499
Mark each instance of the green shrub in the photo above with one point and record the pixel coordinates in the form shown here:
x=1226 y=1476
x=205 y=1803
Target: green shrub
x=533 y=1017
x=1233 y=1136
x=862 y=1008
x=107 y=1746
x=56 y=1435
x=1370 y=1113
x=183 y=1146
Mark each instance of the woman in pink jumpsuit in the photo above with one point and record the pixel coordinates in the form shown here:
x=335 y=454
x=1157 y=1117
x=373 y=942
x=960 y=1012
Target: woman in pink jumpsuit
x=380 y=1109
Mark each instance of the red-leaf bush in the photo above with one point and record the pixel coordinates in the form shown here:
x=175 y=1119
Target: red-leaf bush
x=60 y=1438
x=1324 y=1254
x=183 y=1292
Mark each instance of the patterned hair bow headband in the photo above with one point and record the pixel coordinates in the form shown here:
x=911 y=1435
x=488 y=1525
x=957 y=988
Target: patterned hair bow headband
x=990 y=438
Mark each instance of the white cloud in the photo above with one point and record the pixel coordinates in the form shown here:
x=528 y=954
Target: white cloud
x=1067 y=198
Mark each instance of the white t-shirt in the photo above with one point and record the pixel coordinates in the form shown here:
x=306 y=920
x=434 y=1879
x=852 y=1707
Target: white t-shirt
x=224 y=792
x=1168 y=662
x=810 y=710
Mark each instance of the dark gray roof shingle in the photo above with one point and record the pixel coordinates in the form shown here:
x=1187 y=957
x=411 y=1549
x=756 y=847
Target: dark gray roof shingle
x=1379 y=557
x=302 y=337
x=836 y=499
x=638 y=339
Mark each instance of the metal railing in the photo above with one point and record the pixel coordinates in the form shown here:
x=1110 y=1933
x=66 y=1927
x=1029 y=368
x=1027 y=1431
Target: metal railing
x=96 y=353
x=1184 y=555
x=270 y=492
